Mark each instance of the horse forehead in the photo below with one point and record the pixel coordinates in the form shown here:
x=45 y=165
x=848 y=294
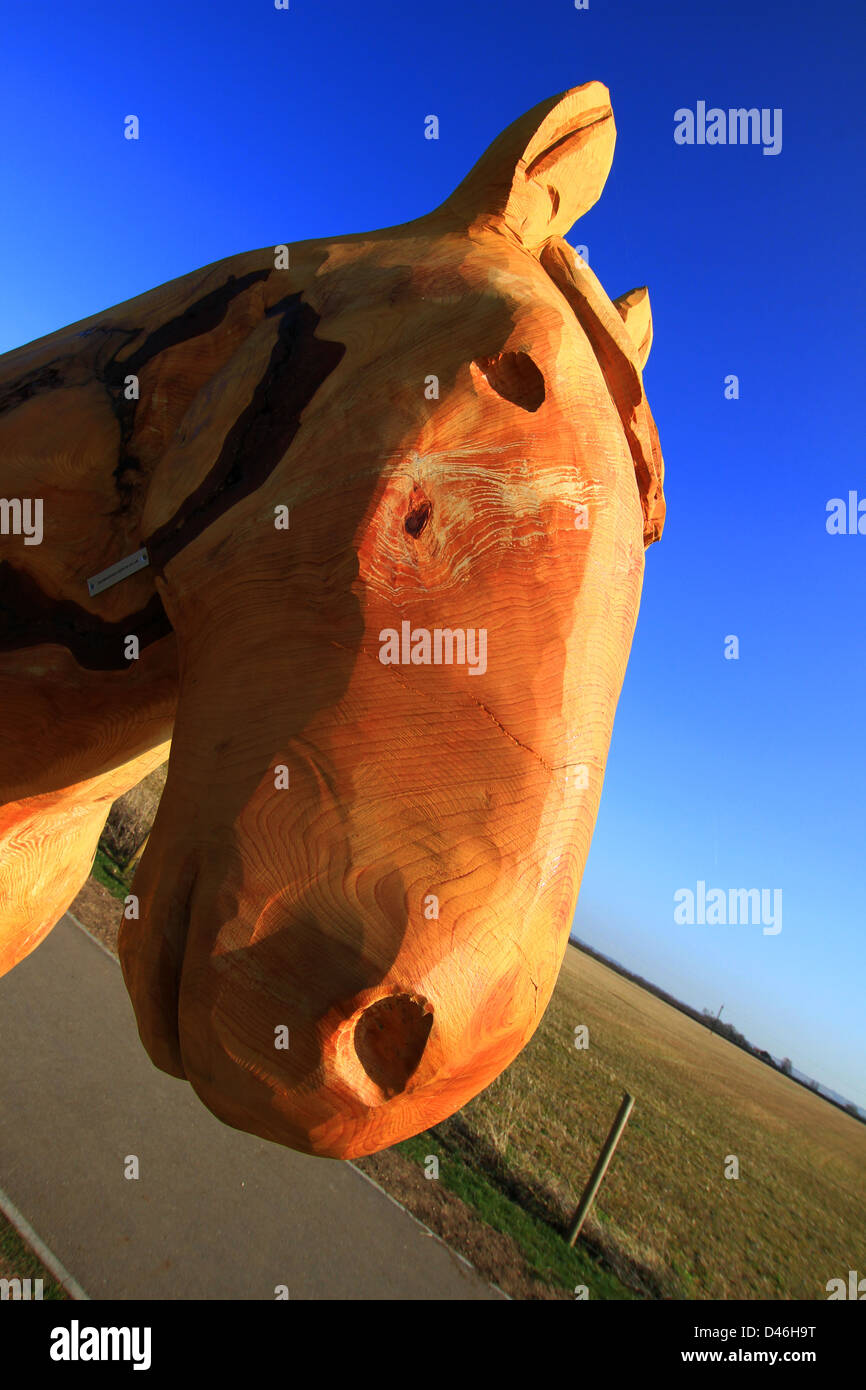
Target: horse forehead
x=471 y=281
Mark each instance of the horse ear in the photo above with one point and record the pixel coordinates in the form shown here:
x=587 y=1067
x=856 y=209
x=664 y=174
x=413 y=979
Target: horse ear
x=546 y=170
x=635 y=312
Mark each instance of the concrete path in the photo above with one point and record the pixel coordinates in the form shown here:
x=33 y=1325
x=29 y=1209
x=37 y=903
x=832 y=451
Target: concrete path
x=214 y=1213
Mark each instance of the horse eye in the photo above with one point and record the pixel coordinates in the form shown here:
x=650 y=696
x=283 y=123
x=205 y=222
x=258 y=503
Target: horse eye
x=515 y=377
x=417 y=517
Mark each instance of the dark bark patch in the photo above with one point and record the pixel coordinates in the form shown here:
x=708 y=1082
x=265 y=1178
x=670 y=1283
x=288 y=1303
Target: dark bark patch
x=260 y=437
x=29 y=618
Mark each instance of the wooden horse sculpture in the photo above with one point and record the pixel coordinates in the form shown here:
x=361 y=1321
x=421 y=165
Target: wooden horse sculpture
x=394 y=490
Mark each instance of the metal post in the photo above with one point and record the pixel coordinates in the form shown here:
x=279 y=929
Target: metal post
x=601 y=1167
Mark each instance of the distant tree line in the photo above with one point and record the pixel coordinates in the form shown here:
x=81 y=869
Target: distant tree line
x=727 y=1030
x=723 y=1028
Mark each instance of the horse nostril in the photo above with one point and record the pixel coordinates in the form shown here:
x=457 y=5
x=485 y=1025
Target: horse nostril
x=390 y=1037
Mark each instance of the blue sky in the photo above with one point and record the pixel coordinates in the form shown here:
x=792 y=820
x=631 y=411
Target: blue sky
x=260 y=126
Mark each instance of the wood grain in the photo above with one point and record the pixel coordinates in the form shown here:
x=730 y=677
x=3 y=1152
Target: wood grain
x=363 y=853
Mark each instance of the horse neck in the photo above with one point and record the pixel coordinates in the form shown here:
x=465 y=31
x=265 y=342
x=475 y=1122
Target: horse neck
x=78 y=696
x=86 y=415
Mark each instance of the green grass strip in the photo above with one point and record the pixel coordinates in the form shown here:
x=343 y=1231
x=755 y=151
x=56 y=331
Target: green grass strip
x=546 y=1251
x=106 y=872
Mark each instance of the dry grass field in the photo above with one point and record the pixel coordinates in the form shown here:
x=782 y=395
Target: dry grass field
x=794 y=1218
x=667 y=1222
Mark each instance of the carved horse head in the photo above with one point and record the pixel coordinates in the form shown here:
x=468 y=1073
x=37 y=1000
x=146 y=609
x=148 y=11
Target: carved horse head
x=395 y=490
